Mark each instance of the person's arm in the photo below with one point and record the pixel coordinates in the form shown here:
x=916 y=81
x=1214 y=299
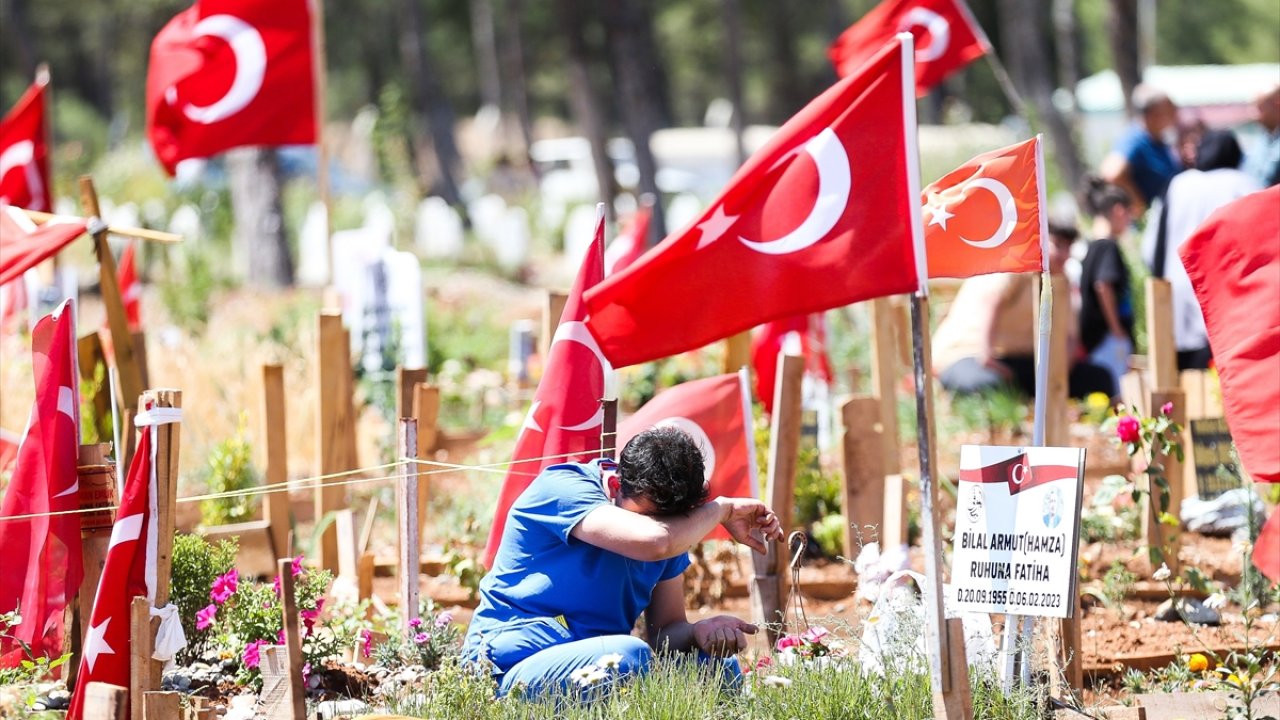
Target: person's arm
x=1116 y=170
x=1110 y=308
x=669 y=628
x=651 y=538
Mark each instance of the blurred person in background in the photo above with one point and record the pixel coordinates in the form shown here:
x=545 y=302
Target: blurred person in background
x=1106 y=295
x=1263 y=160
x=1143 y=160
x=1192 y=196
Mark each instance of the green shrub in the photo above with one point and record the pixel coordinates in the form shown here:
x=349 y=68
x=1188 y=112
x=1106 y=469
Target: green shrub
x=196 y=563
x=230 y=469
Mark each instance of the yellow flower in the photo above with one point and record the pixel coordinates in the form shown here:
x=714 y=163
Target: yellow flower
x=1197 y=663
x=1097 y=401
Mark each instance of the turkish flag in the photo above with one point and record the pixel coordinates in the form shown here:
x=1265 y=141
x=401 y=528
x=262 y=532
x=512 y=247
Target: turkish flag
x=826 y=214
x=713 y=411
x=802 y=335
x=128 y=572
x=23 y=244
x=228 y=73
x=24 y=152
x=947 y=38
x=1233 y=261
x=630 y=243
x=986 y=216
x=130 y=287
x=565 y=419
x=42 y=554
x=1266 y=549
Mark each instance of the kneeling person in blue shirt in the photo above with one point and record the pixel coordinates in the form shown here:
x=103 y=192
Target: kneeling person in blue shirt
x=586 y=550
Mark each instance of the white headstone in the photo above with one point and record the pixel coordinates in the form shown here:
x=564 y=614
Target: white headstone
x=185 y=221
x=579 y=231
x=387 y=320
x=487 y=214
x=682 y=210
x=353 y=252
x=125 y=215
x=313 y=247
x=438 y=230
x=512 y=247
x=379 y=218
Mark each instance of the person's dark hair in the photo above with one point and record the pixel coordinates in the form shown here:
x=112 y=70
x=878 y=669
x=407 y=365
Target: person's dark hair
x=1218 y=149
x=1100 y=196
x=664 y=466
x=1069 y=233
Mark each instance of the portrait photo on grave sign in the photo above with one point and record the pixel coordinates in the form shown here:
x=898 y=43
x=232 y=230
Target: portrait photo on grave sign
x=1017 y=520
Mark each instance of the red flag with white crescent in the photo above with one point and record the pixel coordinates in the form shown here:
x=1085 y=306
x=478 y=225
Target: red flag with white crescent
x=947 y=38
x=42 y=567
x=987 y=215
x=564 y=422
x=630 y=243
x=23 y=244
x=130 y=286
x=713 y=412
x=803 y=335
x=229 y=73
x=24 y=152
x=826 y=214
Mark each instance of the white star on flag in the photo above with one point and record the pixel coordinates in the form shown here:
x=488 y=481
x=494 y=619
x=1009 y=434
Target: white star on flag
x=715 y=226
x=531 y=423
x=938 y=214
x=95 y=643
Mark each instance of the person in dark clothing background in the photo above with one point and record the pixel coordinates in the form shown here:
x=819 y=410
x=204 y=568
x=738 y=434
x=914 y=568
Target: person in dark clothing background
x=1106 y=301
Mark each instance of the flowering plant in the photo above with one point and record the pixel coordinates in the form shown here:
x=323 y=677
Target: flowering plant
x=816 y=642
x=432 y=636
x=1149 y=440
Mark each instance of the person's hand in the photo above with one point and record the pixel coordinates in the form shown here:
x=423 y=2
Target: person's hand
x=743 y=515
x=722 y=635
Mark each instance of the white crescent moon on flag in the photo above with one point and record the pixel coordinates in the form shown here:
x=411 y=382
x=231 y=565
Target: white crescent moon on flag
x=23 y=155
x=1008 y=213
x=574 y=331
x=251 y=66
x=938 y=28
x=829 y=155
x=700 y=439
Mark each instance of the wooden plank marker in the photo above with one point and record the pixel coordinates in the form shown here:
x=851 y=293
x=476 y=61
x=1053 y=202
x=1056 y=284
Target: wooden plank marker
x=552 y=309
x=407 y=522
x=885 y=326
x=106 y=701
x=168 y=444
x=737 y=352
x=297 y=703
x=275 y=505
x=140 y=649
x=407 y=381
x=770 y=570
x=1162 y=352
x=426 y=408
x=863 y=481
x=335 y=427
x=161 y=705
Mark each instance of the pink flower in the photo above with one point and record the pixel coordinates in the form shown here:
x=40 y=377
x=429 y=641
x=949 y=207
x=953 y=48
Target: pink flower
x=1166 y=409
x=764 y=662
x=815 y=634
x=1128 y=429
x=309 y=619
x=225 y=586
x=443 y=619
x=422 y=638
x=415 y=623
x=206 y=617
x=787 y=641
x=252 y=656
x=297 y=566
x=276 y=586
x=366 y=640
x=280 y=637
x=306 y=672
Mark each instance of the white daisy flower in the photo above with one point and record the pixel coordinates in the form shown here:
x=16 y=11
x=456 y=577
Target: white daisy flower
x=777 y=681
x=596 y=675
x=611 y=661
x=581 y=675
x=1163 y=573
x=1216 y=601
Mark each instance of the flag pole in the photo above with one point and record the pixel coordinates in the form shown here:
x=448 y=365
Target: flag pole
x=320 y=75
x=1046 y=304
x=748 y=428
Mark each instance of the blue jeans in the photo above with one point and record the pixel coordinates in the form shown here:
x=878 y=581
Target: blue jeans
x=550 y=669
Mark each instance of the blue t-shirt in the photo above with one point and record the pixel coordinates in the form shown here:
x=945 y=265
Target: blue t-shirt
x=1151 y=163
x=547 y=587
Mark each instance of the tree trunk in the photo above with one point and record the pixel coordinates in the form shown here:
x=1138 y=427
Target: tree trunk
x=787 y=92
x=583 y=100
x=1024 y=25
x=514 y=80
x=430 y=103
x=486 y=50
x=1122 y=31
x=637 y=92
x=733 y=72
x=262 y=251
x=14 y=14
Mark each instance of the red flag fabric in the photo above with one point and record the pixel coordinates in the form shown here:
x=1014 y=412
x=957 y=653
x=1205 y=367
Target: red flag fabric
x=713 y=412
x=8 y=449
x=947 y=38
x=1233 y=261
x=130 y=287
x=128 y=572
x=43 y=566
x=564 y=421
x=227 y=73
x=826 y=214
x=803 y=335
x=24 y=152
x=1266 y=549
x=23 y=244
x=630 y=243
x=985 y=216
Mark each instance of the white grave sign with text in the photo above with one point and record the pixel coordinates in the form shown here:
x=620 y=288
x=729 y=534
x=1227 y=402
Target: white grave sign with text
x=1017 y=522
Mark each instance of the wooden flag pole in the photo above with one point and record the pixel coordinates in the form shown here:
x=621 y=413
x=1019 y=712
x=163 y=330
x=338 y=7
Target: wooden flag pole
x=297 y=699
x=336 y=425
x=321 y=72
x=407 y=522
x=275 y=505
x=884 y=384
x=609 y=430
x=140 y=650
x=147 y=234
x=426 y=408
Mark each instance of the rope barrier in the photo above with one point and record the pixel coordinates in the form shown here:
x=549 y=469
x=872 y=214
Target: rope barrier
x=317 y=481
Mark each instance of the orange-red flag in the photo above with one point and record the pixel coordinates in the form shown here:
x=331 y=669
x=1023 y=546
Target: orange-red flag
x=987 y=216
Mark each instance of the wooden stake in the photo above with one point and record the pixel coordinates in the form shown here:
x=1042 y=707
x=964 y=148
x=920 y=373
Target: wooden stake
x=609 y=430
x=139 y=655
x=97 y=490
x=139 y=340
x=364 y=576
x=737 y=349
x=336 y=425
x=345 y=522
x=1157 y=534
x=105 y=701
x=407 y=380
x=161 y=705
x=128 y=232
x=407 y=522
x=885 y=364
x=426 y=408
x=275 y=505
x=770 y=569
x=1162 y=352
x=320 y=71
x=292 y=641
x=950 y=696
x=863 y=481
x=552 y=308
x=130 y=377
x=168 y=444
